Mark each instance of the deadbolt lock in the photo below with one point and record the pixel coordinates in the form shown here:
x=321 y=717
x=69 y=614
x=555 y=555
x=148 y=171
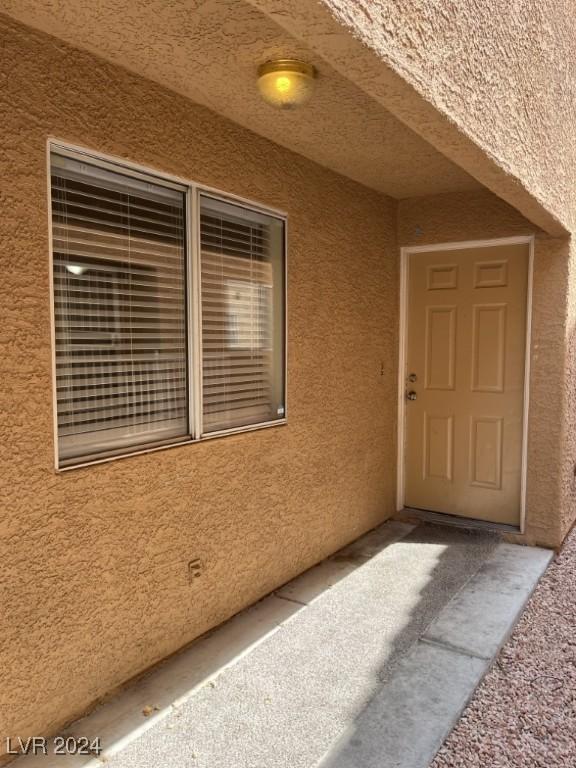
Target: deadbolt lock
x=412 y=378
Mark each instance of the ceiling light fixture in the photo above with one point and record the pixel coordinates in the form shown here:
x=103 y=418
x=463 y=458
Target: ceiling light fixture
x=286 y=83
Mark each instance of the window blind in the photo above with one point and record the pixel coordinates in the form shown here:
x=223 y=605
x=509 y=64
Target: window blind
x=120 y=309
x=242 y=287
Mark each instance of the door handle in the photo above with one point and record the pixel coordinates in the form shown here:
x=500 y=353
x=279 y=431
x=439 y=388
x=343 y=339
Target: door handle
x=411 y=395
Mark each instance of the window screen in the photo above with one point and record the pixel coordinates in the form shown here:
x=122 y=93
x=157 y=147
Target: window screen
x=120 y=309
x=242 y=272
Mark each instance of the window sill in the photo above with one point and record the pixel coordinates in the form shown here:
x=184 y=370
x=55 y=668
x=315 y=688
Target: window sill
x=105 y=459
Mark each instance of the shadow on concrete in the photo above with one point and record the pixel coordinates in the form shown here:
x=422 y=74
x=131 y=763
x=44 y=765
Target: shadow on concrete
x=366 y=742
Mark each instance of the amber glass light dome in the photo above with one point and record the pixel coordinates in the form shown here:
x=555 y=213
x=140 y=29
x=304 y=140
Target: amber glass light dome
x=286 y=83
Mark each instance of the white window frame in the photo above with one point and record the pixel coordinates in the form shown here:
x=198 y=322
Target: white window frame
x=193 y=191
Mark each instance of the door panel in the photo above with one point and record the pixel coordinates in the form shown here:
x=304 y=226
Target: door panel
x=440 y=350
x=466 y=348
x=488 y=347
x=486 y=452
x=438 y=441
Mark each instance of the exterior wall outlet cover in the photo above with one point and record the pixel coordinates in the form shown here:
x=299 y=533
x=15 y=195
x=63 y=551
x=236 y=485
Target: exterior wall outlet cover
x=195 y=569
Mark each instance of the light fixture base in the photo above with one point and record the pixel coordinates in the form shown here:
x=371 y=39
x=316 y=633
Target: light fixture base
x=287 y=65
x=286 y=83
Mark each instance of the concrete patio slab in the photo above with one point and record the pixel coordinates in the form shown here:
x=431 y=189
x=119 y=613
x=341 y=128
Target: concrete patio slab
x=150 y=699
x=358 y=645
x=407 y=721
x=480 y=617
x=409 y=718
x=314 y=582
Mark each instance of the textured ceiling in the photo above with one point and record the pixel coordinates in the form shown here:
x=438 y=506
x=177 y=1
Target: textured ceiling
x=209 y=50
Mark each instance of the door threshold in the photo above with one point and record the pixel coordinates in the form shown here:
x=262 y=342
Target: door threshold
x=441 y=518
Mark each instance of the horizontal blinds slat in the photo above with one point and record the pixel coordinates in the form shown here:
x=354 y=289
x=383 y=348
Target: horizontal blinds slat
x=85 y=328
x=151 y=230
x=66 y=190
x=239 y=357
x=216 y=410
x=221 y=290
x=120 y=319
x=108 y=282
x=235 y=251
x=91 y=317
x=215 y=227
x=140 y=400
x=103 y=330
x=234 y=396
x=158 y=405
x=72 y=228
x=75 y=377
x=147 y=348
x=95 y=387
x=237 y=240
x=71 y=237
x=100 y=282
x=125 y=213
x=231 y=375
x=244 y=335
x=214 y=403
x=108 y=176
x=102 y=388
x=241 y=219
x=126 y=300
x=75 y=250
x=246 y=320
x=137 y=424
x=115 y=360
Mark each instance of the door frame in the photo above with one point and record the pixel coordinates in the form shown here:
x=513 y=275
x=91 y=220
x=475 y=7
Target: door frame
x=405 y=253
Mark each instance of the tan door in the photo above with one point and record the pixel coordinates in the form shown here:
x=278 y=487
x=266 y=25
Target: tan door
x=465 y=381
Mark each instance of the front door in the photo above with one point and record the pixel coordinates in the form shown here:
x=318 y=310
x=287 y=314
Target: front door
x=465 y=381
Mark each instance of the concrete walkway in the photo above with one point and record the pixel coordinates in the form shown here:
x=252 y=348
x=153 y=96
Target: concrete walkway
x=366 y=660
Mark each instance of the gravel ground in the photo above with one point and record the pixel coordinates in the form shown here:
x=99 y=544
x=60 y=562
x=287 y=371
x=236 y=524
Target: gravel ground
x=524 y=712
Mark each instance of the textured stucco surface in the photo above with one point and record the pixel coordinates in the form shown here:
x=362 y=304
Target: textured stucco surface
x=504 y=75
x=94 y=584
x=481 y=216
x=209 y=51
x=568 y=462
x=489 y=84
x=492 y=85
x=94 y=561
x=504 y=72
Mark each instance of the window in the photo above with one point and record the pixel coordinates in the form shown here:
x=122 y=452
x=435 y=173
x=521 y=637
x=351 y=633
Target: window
x=242 y=325
x=143 y=356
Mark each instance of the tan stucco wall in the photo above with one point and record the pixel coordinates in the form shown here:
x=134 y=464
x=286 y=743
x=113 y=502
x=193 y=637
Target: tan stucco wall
x=480 y=216
x=94 y=579
x=192 y=49
x=501 y=78
x=492 y=85
x=504 y=73
x=568 y=463
x=94 y=585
